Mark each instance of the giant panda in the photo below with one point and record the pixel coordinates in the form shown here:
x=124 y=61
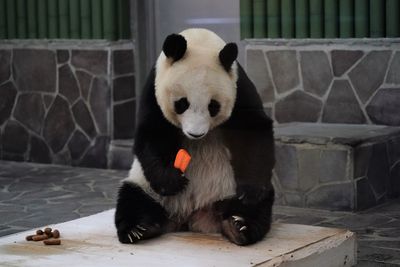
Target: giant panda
x=197 y=97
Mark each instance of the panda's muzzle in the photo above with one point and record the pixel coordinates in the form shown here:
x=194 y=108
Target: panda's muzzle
x=196 y=136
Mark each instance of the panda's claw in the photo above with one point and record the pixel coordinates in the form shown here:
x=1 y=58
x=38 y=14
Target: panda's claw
x=141 y=228
x=243 y=228
x=237 y=218
x=135 y=234
x=130 y=238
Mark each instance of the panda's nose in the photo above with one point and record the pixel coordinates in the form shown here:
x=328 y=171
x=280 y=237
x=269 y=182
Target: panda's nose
x=196 y=135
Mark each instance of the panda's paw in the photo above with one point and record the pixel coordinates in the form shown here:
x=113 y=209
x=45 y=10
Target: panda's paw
x=139 y=232
x=170 y=184
x=240 y=230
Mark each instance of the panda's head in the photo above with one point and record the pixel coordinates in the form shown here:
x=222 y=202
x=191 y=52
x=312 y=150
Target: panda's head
x=196 y=81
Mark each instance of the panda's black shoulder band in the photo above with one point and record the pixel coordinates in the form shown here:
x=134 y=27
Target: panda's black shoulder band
x=174 y=46
x=228 y=55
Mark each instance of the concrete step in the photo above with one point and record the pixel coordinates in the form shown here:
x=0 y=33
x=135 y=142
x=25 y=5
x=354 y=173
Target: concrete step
x=92 y=241
x=120 y=154
x=336 y=166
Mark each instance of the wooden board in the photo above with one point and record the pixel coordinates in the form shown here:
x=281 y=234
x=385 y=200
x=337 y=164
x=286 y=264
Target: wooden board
x=92 y=241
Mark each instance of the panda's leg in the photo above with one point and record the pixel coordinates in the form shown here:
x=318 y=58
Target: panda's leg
x=137 y=215
x=246 y=224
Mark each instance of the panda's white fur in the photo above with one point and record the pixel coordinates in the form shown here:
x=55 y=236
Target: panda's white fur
x=200 y=77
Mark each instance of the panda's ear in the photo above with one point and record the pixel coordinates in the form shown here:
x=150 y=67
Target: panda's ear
x=228 y=55
x=174 y=46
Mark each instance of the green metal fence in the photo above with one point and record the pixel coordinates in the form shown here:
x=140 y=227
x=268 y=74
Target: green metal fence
x=319 y=18
x=64 y=19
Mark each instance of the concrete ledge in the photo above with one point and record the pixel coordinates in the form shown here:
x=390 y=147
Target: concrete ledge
x=92 y=241
x=336 y=166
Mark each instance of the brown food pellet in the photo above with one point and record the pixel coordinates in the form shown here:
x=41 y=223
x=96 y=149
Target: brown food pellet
x=39 y=237
x=29 y=237
x=39 y=232
x=52 y=242
x=47 y=231
x=56 y=233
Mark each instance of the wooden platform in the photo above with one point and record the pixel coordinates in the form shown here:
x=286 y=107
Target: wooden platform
x=92 y=241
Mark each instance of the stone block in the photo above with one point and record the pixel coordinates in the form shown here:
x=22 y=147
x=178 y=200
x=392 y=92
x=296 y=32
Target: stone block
x=332 y=197
x=15 y=138
x=258 y=73
x=34 y=70
x=384 y=107
x=39 y=151
x=286 y=166
x=284 y=68
x=78 y=144
x=100 y=103
x=124 y=120
x=30 y=111
x=393 y=75
x=58 y=125
x=124 y=88
x=120 y=154
x=96 y=156
x=316 y=71
x=337 y=166
x=83 y=118
x=368 y=74
x=84 y=80
x=298 y=106
x=5 y=65
x=123 y=62
x=62 y=56
x=342 y=105
x=342 y=60
x=67 y=84
x=8 y=93
x=93 y=61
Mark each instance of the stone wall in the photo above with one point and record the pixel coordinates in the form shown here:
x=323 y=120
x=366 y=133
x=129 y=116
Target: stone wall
x=332 y=81
x=63 y=102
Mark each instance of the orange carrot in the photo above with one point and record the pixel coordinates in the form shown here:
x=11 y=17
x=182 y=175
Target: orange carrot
x=182 y=160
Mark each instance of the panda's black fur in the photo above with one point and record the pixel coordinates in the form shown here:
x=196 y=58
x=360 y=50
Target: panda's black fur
x=245 y=217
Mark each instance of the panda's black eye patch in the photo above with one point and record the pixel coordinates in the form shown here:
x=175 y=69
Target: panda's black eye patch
x=214 y=107
x=181 y=105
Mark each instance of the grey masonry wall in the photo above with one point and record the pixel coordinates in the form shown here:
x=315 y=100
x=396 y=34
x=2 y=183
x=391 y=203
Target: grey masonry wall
x=334 y=81
x=63 y=102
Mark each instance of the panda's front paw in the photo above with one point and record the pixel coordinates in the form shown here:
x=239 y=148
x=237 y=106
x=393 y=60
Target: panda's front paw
x=170 y=184
x=139 y=232
x=241 y=231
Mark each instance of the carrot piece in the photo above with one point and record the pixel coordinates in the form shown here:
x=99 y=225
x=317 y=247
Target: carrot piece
x=182 y=160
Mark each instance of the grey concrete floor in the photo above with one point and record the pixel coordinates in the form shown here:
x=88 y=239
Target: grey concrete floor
x=33 y=195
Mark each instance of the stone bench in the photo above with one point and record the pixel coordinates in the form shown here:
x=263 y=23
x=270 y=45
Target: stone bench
x=336 y=166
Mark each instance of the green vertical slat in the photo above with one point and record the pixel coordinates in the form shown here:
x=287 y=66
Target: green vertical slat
x=287 y=18
x=392 y=18
x=316 y=19
x=3 y=18
x=74 y=19
x=109 y=20
x=246 y=19
x=377 y=18
x=63 y=18
x=32 y=19
x=274 y=19
x=123 y=19
x=21 y=19
x=361 y=18
x=331 y=13
x=86 y=31
x=42 y=18
x=97 y=32
x=346 y=18
x=53 y=18
x=11 y=19
x=302 y=19
x=259 y=19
